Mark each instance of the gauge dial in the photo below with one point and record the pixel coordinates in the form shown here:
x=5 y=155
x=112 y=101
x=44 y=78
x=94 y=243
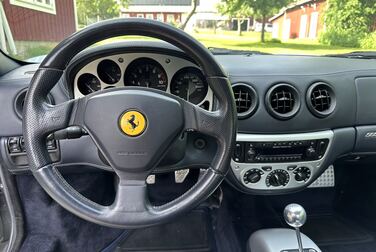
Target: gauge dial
x=190 y=84
x=88 y=83
x=146 y=72
x=109 y=71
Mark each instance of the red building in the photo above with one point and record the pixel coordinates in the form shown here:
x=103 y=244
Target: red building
x=302 y=19
x=30 y=19
x=163 y=10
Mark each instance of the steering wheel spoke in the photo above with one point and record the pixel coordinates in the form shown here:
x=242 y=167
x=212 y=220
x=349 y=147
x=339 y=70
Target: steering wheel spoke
x=131 y=194
x=62 y=115
x=201 y=120
x=51 y=118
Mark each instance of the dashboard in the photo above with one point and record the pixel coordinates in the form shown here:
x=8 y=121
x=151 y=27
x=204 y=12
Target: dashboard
x=297 y=115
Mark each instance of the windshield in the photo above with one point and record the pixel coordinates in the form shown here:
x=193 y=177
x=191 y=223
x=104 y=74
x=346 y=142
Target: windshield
x=31 y=28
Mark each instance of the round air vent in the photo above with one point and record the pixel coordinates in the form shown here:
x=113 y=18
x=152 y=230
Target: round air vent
x=19 y=102
x=246 y=99
x=321 y=99
x=282 y=101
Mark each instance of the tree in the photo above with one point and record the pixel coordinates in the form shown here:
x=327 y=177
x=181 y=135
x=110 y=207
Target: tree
x=191 y=13
x=348 y=22
x=264 y=9
x=259 y=8
x=235 y=9
x=89 y=11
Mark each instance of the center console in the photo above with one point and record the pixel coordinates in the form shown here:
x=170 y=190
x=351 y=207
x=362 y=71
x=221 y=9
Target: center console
x=272 y=162
x=279 y=240
x=283 y=239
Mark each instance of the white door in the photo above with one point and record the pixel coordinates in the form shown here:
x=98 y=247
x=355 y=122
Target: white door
x=286 y=29
x=303 y=26
x=275 y=33
x=313 y=25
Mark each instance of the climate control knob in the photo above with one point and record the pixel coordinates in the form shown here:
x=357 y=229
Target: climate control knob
x=278 y=178
x=252 y=176
x=302 y=174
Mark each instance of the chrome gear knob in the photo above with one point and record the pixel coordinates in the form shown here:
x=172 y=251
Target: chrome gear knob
x=295 y=215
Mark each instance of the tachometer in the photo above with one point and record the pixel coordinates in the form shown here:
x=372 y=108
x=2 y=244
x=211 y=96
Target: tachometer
x=109 y=71
x=145 y=72
x=190 y=84
x=88 y=83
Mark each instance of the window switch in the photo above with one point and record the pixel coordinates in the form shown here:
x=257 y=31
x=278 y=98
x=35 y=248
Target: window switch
x=14 y=145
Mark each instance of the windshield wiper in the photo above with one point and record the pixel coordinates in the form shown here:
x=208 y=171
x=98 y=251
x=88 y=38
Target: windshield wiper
x=355 y=55
x=225 y=51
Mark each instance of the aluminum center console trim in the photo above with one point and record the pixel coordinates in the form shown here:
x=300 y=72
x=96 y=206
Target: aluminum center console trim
x=239 y=169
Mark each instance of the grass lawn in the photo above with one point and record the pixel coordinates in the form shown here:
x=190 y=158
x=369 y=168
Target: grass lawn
x=251 y=41
x=29 y=49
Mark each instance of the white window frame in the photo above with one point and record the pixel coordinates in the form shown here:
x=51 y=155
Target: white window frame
x=140 y=15
x=303 y=26
x=313 y=26
x=286 y=29
x=160 y=17
x=36 y=5
x=149 y=16
x=170 y=18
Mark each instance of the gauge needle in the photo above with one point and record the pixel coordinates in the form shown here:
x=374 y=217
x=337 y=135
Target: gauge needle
x=191 y=89
x=109 y=75
x=90 y=88
x=188 y=90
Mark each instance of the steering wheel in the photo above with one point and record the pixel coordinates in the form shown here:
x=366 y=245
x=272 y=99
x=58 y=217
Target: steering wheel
x=133 y=127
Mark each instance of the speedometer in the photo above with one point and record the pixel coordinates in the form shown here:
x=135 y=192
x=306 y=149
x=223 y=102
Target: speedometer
x=190 y=84
x=145 y=72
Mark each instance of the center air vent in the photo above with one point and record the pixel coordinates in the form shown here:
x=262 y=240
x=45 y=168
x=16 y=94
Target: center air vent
x=245 y=99
x=282 y=101
x=320 y=99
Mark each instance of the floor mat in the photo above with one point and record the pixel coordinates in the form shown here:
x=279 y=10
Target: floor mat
x=331 y=229
x=190 y=233
x=49 y=227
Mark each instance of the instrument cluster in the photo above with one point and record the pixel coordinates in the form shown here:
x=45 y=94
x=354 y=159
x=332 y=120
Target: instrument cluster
x=167 y=73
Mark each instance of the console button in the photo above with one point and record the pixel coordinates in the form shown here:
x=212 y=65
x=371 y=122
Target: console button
x=250 y=155
x=266 y=168
x=311 y=152
x=291 y=167
x=322 y=147
x=239 y=152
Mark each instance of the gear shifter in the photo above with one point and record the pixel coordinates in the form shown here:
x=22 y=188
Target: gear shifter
x=295 y=216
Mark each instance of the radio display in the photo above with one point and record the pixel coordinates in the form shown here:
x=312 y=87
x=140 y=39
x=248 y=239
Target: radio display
x=276 y=151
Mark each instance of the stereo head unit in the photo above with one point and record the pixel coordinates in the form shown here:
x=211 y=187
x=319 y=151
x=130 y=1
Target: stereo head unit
x=280 y=152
